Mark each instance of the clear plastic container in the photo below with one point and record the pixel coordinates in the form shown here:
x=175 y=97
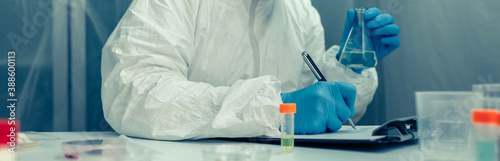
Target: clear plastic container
x=287 y=111
x=487 y=90
x=237 y=152
x=445 y=130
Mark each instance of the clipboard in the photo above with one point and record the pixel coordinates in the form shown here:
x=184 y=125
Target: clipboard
x=394 y=131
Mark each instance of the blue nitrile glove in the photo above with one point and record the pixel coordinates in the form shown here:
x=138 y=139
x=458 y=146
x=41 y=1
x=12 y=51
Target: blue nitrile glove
x=382 y=29
x=322 y=107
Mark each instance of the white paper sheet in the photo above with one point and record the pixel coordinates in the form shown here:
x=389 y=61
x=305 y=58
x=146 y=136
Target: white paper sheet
x=345 y=133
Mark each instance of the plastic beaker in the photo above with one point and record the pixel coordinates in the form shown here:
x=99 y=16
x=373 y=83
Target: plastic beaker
x=445 y=129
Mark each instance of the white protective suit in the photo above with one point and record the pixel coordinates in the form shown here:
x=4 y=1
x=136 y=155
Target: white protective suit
x=179 y=69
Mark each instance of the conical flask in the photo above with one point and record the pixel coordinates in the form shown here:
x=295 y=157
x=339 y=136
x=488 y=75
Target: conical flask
x=358 y=50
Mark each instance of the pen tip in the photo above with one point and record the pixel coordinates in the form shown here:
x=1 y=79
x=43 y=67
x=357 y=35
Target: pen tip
x=351 y=123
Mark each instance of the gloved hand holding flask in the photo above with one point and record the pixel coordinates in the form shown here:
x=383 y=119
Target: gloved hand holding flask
x=381 y=37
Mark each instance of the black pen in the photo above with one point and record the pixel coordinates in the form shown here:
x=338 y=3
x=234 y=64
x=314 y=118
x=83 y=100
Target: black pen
x=320 y=77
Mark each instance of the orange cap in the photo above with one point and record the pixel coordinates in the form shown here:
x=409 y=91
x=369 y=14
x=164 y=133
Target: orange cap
x=287 y=108
x=497 y=118
x=485 y=116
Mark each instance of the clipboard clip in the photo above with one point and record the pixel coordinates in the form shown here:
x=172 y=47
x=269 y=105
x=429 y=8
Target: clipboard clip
x=398 y=130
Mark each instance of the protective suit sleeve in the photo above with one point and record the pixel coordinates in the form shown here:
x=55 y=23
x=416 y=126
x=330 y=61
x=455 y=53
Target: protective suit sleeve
x=366 y=82
x=145 y=91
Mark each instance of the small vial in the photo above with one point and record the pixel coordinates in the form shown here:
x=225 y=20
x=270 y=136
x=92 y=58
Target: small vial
x=490 y=99
x=287 y=111
x=485 y=134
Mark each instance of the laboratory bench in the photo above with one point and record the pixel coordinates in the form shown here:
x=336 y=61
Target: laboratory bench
x=49 y=147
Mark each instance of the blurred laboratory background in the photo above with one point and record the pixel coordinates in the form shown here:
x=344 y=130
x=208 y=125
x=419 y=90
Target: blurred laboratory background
x=446 y=46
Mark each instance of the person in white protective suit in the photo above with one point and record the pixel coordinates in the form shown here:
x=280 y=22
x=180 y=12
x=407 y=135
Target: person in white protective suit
x=175 y=69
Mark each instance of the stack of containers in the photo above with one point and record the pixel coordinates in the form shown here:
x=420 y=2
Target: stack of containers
x=486 y=121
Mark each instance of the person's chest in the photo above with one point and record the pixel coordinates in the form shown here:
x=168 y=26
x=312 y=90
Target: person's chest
x=223 y=51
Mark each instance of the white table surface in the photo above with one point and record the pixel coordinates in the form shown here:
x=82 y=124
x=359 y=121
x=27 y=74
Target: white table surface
x=49 y=148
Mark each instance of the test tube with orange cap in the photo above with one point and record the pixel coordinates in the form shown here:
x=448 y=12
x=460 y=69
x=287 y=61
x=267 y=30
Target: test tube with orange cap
x=486 y=120
x=287 y=111
x=485 y=134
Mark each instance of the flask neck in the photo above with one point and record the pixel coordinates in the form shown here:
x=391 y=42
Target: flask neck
x=360 y=12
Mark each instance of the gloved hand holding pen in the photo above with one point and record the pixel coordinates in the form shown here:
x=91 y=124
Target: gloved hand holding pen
x=322 y=107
